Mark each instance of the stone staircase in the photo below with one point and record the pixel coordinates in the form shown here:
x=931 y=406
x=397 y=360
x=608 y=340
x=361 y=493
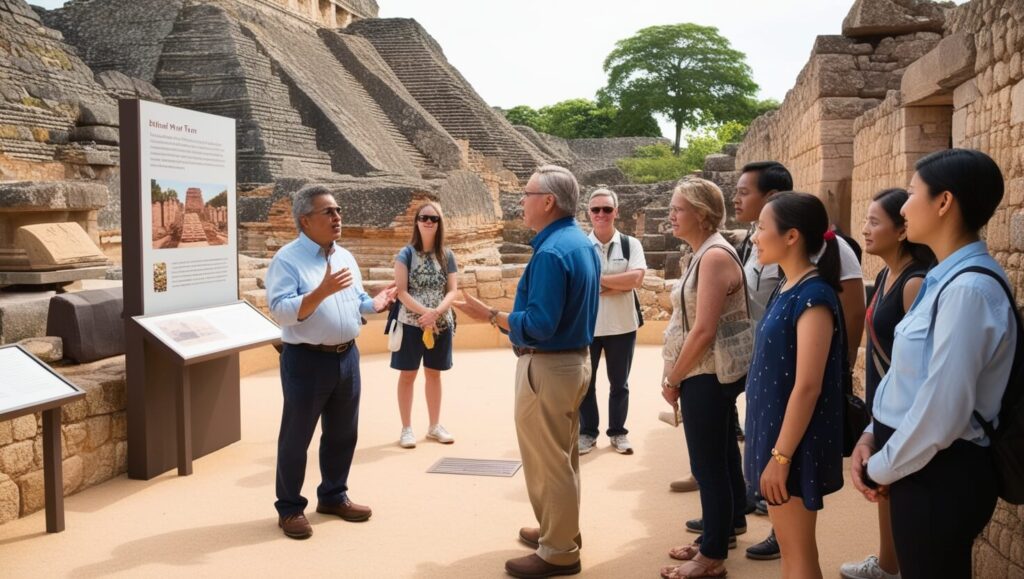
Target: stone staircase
x=192 y=229
x=418 y=62
x=208 y=64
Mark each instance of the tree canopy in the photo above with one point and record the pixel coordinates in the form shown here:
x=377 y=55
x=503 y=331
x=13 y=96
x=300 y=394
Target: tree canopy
x=583 y=118
x=686 y=72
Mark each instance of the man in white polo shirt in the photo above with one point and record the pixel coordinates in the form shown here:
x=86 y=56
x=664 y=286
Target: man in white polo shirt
x=618 y=317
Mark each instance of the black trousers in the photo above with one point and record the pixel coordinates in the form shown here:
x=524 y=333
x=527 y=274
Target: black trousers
x=618 y=355
x=707 y=407
x=318 y=387
x=938 y=511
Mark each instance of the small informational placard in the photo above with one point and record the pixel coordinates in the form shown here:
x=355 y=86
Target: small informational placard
x=29 y=383
x=189 y=229
x=196 y=333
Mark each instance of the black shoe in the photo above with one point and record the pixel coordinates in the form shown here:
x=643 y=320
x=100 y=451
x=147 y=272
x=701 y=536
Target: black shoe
x=697 y=526
x=761 y=508
x=766 y=550
x=732 y=541
x=749 y=508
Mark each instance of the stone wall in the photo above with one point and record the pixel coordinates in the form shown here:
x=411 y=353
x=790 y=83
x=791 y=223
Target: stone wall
x=888 y=141
x=93 y=441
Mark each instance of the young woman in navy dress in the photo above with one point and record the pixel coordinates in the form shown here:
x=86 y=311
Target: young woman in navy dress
x=794 y=387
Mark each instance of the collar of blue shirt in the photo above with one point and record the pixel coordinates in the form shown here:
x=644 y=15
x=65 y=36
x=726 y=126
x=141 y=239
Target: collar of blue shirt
x=313 y=247
x=951 y=263
x=540 y=238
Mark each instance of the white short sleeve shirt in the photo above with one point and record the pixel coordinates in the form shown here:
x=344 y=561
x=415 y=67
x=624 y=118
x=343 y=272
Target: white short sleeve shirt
x=616 y=314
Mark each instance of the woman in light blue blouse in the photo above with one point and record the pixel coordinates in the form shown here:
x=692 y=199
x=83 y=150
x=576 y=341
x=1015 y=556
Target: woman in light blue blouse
x=950 y=359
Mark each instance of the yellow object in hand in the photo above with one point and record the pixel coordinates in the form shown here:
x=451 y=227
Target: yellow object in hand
x=428 y=338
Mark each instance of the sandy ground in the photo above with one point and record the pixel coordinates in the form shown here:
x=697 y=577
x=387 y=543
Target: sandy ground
x=220 y=521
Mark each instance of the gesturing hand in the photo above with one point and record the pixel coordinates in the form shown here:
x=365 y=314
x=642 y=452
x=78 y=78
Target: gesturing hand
x=473 y=307
x=334 y=282
x=385 y=298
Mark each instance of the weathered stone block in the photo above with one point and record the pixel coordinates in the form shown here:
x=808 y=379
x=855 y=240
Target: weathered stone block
x=719 y=162
x=103 y=135
x=892 y=17
x=75 y=411
x=89 y=323
x=6 y=432
x=76 y=435
x=965 y=94
x=98 y=465
x=1017 y=100
x=487 y=274
x=10 y=499
x=23 y=315
x=57 y=244
x=937 y=73
x=47 y=348
x=381 y=273
x=24 y=427
x=99 y=430
x=466 y=280
x=1017 y=231
x=490 y=289
x=98 y=114
x=17 y=458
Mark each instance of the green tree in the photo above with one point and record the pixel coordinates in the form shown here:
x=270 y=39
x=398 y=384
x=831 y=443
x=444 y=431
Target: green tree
x=219 y=200
x=688 y=73
x=525 y=115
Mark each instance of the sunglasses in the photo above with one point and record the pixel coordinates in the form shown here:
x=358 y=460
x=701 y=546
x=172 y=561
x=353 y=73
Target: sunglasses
x=430 y=218
x=605 y=210
x=329 y=211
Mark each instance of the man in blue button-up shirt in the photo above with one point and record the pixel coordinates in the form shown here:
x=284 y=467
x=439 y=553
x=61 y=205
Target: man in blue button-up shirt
x=551 y=326
x=316 y=293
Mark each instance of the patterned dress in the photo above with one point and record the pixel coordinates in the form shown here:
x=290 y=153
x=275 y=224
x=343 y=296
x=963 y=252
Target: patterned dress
x=817 y=467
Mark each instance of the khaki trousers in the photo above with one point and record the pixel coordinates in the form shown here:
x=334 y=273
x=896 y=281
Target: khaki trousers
x=549 y=389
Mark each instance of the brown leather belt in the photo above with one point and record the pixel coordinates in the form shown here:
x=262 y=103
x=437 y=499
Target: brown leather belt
x=534 y=351
x=339 y=349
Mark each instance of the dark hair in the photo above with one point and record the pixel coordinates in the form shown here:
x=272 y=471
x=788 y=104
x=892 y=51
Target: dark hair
x=771 y=176
x=971 y=176
x=807 y=214
x=891 y=201
x=417 y=239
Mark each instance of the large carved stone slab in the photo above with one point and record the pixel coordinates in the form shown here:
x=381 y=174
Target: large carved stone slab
x=932 y=78
x=894 y=17
x=57 y=244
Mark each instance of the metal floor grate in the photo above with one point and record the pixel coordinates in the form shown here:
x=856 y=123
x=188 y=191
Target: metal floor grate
x=476 y=467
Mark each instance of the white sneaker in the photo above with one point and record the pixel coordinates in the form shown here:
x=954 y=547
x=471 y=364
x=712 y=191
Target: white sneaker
x=587 y=443
x=408 y=439
x=438 y=433
x=866 y=569
x=621 y=444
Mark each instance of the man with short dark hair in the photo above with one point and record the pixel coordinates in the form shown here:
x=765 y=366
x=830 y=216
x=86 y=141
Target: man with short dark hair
x=316 y=294
x=551 y=326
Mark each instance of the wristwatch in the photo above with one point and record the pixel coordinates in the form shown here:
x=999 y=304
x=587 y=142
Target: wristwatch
x=493 y=319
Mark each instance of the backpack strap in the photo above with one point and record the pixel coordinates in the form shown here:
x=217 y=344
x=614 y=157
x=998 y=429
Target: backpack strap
x=986 y=425
x=624 y=240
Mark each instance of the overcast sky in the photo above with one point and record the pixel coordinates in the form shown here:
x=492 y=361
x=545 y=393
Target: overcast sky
x=539 y=52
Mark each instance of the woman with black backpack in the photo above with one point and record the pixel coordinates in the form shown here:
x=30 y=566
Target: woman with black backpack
x=926 y=449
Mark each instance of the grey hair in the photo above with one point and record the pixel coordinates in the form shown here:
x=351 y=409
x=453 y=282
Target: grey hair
x=603 y=192
x=561 y=183
x=302 y=202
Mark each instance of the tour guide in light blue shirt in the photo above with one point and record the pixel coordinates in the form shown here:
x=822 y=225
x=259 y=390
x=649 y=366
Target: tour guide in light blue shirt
x=551 y=326
x=316 y=294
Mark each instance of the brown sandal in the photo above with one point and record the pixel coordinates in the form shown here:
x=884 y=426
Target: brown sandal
x=685 y=553
x=706 y=568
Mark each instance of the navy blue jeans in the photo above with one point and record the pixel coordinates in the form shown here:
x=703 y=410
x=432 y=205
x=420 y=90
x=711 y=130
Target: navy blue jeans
x=324 y=387
x=618 y=355
x=709 y=424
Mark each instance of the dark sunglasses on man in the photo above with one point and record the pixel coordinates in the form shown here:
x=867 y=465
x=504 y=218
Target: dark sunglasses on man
x=605 y=210
x=430 y=218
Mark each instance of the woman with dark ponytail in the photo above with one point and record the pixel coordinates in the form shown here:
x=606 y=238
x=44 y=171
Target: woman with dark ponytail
x=896 y=288
x=928 y=449
x=794 y=387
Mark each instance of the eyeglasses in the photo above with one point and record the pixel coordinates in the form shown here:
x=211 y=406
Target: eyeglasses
x=528 y=193
x=606 y=210
x=327 y=211
x=430 y=218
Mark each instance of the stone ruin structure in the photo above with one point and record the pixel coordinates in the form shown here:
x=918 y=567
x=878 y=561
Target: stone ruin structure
x=324 y=92
x=906 y=78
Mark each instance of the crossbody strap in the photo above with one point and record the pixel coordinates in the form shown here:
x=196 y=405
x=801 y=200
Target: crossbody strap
x=696 y=273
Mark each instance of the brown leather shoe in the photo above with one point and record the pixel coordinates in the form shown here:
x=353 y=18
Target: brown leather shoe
x=295 y=526
x=347 y=510
x=686 y=485
x=533 y=567
x=531 y=537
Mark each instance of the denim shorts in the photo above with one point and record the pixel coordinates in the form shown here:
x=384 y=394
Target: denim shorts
x=413 y=351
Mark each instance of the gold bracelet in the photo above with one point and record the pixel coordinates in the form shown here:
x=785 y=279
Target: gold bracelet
x=780 y=458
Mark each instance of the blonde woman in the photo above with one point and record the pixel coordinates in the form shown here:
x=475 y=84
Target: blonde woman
x=711 y=290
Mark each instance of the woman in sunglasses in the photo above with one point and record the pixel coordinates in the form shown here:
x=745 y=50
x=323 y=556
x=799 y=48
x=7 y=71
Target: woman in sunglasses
x=425 y=274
